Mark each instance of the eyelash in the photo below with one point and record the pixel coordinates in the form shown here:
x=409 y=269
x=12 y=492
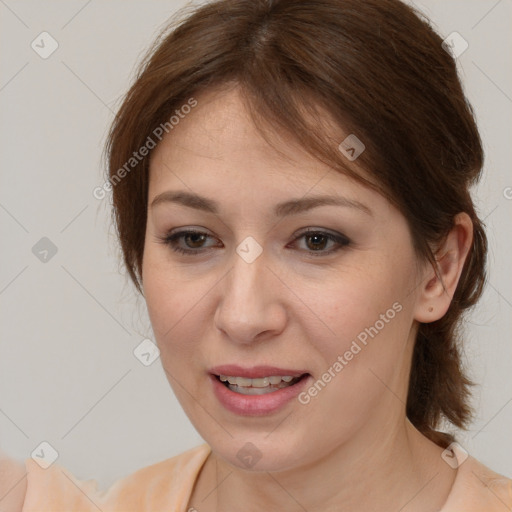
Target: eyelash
x=171 y=241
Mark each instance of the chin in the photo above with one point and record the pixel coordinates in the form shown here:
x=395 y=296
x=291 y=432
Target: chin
x=260 y=453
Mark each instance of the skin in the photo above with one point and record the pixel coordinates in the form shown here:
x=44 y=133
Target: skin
x=293 y=308
x=13 y=484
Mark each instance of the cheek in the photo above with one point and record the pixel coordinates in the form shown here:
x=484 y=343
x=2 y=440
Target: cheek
x=366 y=316
x=171 y=304
x=357 y=299
x=368 y=352
x=172 y=312
x=167 y=298
x=177 y=305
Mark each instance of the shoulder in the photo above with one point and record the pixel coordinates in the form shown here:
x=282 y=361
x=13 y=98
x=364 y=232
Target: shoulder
x=496 y=487
x=163 y=485
x=477 y=489
x=13 y=484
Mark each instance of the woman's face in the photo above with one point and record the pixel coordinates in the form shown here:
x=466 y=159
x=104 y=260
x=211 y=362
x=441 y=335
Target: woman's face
x=254 y=289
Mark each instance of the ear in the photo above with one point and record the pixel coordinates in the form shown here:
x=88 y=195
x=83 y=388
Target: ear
x=436 y=291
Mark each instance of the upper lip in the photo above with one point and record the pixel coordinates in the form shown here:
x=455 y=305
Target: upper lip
x=254 y=372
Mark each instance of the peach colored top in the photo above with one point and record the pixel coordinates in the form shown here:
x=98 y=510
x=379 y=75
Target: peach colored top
x=167 y=486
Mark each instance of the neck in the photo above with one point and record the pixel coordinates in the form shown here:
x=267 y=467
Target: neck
x=403 y=471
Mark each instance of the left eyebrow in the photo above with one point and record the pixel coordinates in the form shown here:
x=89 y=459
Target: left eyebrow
x=284 y=209
x=296 y=206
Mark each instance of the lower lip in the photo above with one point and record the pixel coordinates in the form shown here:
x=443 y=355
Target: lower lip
x=256 y=405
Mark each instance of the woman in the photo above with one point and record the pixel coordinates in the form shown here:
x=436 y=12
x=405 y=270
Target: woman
x=291 y=191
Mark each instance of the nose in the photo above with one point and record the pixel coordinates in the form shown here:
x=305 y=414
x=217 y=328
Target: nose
x=251 y=306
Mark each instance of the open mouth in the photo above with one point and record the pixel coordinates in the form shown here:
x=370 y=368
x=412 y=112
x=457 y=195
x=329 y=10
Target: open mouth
x=259 y=386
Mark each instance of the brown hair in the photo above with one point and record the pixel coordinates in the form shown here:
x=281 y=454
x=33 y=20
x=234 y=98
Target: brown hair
x=378 y=69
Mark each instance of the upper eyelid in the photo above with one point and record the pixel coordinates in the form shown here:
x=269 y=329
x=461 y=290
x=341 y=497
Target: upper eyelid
x=205 y=231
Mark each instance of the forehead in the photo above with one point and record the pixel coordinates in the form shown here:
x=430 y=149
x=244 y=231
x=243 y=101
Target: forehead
x=219 y=130
x=216 y=149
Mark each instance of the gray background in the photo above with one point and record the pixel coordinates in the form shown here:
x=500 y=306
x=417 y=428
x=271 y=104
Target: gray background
x=69 y=326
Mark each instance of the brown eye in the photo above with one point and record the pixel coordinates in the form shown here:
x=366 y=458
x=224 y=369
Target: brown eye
x=188 y=242
x=316 y=242
x=194 y=240
x=322 y=243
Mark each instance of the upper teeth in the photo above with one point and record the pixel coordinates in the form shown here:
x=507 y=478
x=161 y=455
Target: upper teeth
x=255 y=383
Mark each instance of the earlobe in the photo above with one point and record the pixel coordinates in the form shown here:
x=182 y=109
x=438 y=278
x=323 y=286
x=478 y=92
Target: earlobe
x=438 y=288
